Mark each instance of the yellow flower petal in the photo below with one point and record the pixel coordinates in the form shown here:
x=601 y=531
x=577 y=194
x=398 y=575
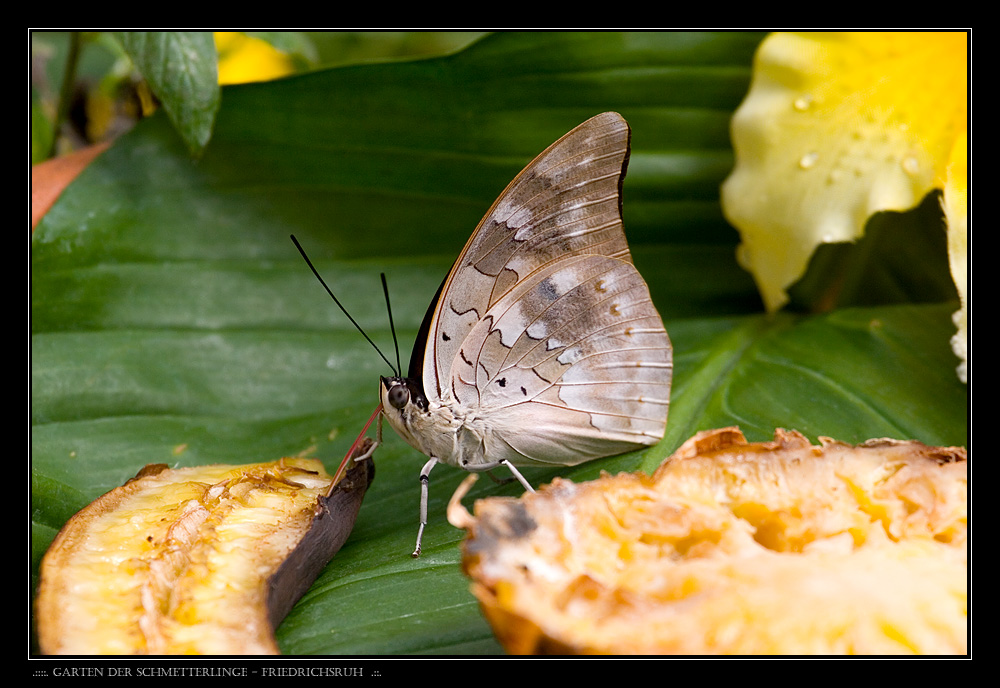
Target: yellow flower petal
x=956 y=209
x=838 y=126
x=245 y=58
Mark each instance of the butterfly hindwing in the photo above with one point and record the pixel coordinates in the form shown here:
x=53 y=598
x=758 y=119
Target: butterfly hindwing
x=577 y=352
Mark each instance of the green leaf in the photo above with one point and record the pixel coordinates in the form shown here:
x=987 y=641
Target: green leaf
x=903 y=257
x=181 y=68
x=174 y=321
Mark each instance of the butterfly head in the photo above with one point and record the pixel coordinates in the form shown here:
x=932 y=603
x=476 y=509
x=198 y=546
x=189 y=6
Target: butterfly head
x=404 y=406
x=402 y=396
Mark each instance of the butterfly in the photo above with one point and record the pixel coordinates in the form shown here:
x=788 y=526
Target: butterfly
x=542 y=345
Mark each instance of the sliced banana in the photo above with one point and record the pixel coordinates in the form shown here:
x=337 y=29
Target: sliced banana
x=204 y=560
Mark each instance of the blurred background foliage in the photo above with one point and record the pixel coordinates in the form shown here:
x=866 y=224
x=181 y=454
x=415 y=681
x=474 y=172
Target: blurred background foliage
x=85 y=86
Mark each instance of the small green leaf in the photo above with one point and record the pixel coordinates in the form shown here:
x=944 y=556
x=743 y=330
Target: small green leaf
x=181 y=68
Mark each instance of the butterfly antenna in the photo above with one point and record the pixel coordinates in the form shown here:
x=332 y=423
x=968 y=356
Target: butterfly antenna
x=337 y=301
x=392 y=327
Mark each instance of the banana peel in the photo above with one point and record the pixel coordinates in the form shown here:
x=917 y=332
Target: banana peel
x=732 y=547
x=203 y=560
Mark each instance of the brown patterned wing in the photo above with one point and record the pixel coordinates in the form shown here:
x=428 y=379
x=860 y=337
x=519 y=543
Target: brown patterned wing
x=565 y=203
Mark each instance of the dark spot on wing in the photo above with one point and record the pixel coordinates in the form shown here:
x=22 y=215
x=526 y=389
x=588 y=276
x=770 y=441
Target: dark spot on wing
x=548 y=290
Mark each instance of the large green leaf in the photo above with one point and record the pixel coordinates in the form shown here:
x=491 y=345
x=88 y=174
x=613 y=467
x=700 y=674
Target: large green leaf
x=174 y=321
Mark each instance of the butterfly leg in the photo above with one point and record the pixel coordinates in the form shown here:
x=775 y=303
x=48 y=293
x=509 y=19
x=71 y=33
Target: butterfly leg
x=371 y=450
x=378 y=438
x=425 y=479
x=499 y=481
x=496 y=464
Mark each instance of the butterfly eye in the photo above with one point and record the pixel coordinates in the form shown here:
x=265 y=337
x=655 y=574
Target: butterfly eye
x=399 y=396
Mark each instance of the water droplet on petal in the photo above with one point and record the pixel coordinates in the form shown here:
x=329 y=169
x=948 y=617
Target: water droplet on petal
x=911 y=165
x=808 y=160
x=802 y=103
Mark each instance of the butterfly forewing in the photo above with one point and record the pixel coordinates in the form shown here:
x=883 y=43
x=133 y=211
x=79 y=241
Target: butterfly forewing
x=565 y=203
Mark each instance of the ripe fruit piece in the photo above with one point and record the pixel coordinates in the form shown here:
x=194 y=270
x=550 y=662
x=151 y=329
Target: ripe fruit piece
x=778 y=547
x=200 y=560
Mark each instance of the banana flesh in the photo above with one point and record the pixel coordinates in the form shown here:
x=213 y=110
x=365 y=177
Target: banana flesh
x=203 y=560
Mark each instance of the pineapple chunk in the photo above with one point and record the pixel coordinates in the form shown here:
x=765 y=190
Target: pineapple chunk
x=780 y=547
